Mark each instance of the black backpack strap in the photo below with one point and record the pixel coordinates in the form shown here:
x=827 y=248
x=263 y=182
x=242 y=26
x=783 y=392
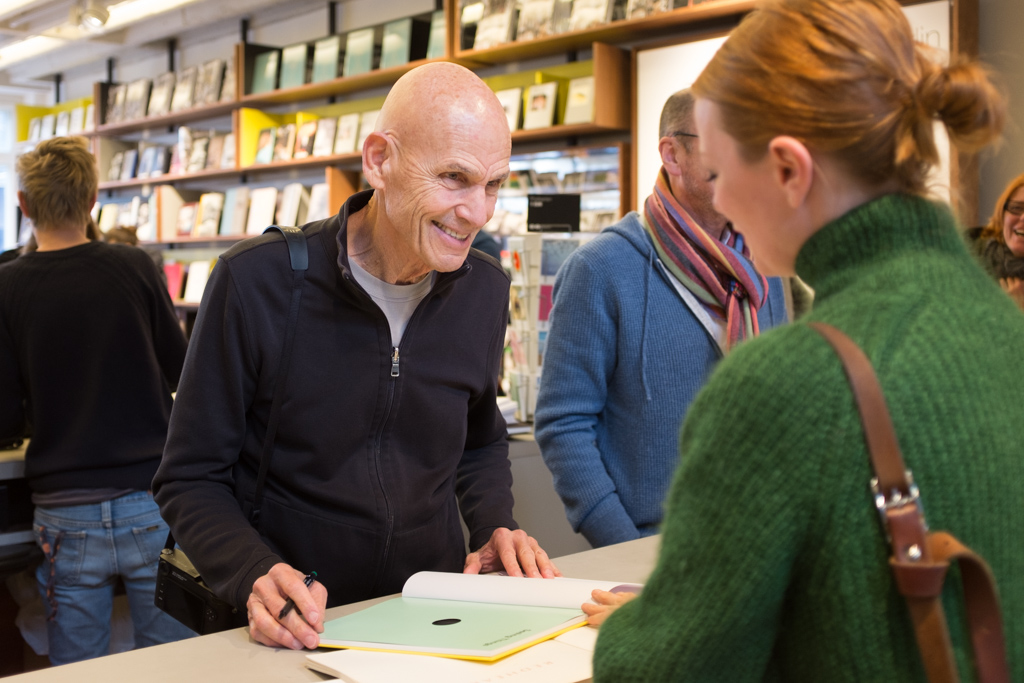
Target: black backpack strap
x=299 y=255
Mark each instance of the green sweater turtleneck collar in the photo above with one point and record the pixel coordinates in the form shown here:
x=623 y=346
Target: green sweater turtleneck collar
x=883 y=228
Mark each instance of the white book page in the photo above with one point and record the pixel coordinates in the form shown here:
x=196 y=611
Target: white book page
x=506 y=590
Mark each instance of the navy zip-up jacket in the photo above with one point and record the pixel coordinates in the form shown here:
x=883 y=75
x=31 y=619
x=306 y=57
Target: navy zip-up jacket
x=369 y=470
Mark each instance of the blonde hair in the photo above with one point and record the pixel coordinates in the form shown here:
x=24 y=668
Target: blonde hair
x=994 y=228
x=846 y=78
x=59 y=180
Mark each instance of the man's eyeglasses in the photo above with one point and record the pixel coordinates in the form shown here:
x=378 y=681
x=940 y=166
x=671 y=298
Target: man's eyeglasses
x=1014 y=208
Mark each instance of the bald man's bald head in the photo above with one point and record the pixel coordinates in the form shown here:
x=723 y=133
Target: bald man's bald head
x=432 y=98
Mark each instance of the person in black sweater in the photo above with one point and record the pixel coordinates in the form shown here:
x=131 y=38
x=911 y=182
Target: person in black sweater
x=389 y=426
x=90 y=351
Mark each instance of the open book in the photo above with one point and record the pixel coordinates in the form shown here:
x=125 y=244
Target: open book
x=468 y=616
x=565 y=659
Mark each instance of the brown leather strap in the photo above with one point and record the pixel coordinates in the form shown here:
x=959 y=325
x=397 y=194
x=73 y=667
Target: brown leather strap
x=920 y=560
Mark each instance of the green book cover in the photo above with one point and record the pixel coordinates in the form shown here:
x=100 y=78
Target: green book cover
x=264 y=72
x=359 y=52
x=293 y=65
x=325 y=59
x=438 y=33
x=395 y=47
x=449 y=627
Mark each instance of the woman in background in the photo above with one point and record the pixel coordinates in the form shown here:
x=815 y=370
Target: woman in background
x=1000 y=243
x=815 y=118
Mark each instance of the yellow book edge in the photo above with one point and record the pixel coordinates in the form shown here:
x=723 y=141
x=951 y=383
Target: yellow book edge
x=473 y=658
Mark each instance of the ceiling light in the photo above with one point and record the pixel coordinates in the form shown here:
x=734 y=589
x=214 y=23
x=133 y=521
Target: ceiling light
x=26 y=49
x=91 y=15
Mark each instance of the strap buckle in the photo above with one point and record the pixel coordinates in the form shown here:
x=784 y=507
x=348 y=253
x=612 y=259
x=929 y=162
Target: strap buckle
x=896 y=499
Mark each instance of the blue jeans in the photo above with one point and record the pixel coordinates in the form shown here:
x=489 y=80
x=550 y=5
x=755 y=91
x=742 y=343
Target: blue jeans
x=87 y=547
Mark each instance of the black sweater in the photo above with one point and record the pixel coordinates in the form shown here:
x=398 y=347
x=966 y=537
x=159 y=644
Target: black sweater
x=90 y=350
x=369 y=471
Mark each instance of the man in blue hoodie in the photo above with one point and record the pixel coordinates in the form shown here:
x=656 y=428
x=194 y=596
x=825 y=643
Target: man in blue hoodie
x=641 y=314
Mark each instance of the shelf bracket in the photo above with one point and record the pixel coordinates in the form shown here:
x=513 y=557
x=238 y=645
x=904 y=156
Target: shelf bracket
x=243 y=27
x=57 y=80
x=332 y=18
x=172 y=46
x=110 y=70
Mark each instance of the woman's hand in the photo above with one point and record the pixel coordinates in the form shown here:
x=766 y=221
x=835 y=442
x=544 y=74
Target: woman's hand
x=606 y=604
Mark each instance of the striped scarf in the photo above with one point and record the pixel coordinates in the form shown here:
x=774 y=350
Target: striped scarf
x=719 y=274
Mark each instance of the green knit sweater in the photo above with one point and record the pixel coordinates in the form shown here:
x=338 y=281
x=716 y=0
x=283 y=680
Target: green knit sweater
x=773 y=564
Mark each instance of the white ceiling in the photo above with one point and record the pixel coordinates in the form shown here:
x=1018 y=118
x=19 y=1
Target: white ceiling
x=51 y=18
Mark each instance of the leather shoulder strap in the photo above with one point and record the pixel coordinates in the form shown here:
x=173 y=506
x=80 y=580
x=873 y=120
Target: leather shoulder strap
x=920 y=560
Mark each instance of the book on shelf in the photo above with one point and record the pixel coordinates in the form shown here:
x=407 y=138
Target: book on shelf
x=512 y=102
x=90 y=117
x=35 y=127
x=294 y=62
x=638 y=9
x=563 y=659
x=262 y=207
x=545 y=183
x=347 y=135
x=161 y=161
x=319 y=208
x=165 y=207
x=589 y=13
x=294 y=205
x=146 y=160
x=265 y=145
x=197 y=155
x=236 y=211
x=186 y=218
x=145 y=227
x=323 y=141
x=175 y=166
x=579 y=102
x=468 y=616
x=535 y=19
x=495 y=26
x=160 y=95
x=367 y=121
x=195 y=281
x=114 y=170
x=63 y=124
x=227 y=88
x=326 y=58
x=264 y=71
x=573 y=181
x=359 y=47
x=185 y=89
x=227 y=157
x=540 y=107
x=304 y=137
x=438 y=35
x=76 y=122
x=175 y=274
x=404 y=40
x=116 y=95
x=285 y=142
x=47 y=126
x=128 y=214
x=215 y=151
x=109 y=213
x=209 y=82
x=561 y=15
x=136 y=100
x=207 y=224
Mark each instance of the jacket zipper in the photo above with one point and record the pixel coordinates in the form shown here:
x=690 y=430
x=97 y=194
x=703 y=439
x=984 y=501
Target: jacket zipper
x=390 y=523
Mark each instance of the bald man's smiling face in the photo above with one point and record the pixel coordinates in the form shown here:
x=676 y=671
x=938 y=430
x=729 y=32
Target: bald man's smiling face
x=441 y=186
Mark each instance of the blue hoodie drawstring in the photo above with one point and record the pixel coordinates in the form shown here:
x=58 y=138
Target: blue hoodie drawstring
x=643 y=326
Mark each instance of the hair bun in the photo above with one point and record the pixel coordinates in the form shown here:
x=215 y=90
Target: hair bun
x=964 y=98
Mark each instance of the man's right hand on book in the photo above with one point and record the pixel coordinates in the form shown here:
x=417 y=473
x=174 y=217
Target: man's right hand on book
x=268 y=597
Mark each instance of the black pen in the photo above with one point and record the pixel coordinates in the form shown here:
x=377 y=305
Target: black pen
x=289 y=604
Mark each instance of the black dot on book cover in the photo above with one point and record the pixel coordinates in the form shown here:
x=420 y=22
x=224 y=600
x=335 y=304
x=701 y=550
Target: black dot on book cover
x=446 y=622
